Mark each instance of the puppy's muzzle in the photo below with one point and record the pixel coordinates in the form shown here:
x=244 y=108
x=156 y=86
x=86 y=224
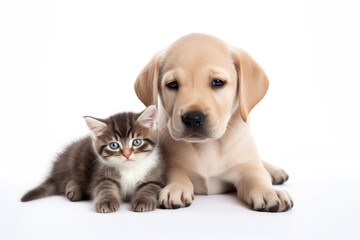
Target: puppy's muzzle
x=193 y=120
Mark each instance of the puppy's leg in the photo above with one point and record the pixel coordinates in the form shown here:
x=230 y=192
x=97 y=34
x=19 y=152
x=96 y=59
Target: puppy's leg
x=179 y=191
x=254 y=188
x=278 y=175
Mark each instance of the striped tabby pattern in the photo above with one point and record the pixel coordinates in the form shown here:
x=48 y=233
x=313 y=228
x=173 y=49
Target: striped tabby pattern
x=110 y=166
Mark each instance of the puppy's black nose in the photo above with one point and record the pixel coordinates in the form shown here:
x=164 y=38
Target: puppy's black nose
x=193 y=120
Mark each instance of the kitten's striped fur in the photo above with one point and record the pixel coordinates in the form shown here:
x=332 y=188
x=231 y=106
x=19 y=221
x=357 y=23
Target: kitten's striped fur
x=90 y=169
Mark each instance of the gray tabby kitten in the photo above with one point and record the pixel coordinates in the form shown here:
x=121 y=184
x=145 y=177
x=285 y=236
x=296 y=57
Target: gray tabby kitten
x=120 y=161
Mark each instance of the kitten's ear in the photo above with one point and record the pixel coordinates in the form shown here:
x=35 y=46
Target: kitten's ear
x=148 y=117
x=96 y=126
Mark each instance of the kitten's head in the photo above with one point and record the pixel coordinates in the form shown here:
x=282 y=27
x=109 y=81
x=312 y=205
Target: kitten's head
x=125 y=138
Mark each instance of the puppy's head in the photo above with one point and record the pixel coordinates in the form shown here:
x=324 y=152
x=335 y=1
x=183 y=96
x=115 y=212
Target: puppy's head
x=200 y=81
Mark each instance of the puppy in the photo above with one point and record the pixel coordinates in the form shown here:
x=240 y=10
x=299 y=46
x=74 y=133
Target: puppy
x=207 y=90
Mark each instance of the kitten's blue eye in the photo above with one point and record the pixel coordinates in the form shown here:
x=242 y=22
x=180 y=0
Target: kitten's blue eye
x=216 y=83
x=114 y=145
x=137 y=142
x=173 y=85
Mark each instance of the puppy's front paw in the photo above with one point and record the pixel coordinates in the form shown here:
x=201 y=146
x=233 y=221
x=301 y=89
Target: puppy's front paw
x=107 y=205
x=175 y=196
x=270 y=200
x=143 y=204
x=278 y=176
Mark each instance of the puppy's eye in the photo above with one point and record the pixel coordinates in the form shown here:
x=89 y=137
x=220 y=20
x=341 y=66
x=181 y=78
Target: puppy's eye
x=114 y=145
x=173 y=85
x=217 y=83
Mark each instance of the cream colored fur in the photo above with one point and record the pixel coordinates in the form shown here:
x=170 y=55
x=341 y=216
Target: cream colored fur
x=224 y=157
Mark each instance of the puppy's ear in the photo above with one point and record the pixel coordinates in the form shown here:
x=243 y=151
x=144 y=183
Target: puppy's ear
x=146 y=84
x=252 y=81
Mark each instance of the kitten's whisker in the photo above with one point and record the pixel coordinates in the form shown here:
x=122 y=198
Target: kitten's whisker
x=92 y=162
x=100 y=170
x=106 y=172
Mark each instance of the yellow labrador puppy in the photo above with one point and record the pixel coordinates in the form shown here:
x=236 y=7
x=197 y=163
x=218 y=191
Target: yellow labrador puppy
x=207 y=90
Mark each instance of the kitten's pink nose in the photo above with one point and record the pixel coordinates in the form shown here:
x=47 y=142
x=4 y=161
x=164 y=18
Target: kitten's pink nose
x=127 y=155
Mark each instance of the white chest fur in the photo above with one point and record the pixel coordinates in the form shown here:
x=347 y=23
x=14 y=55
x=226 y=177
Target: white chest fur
x=136 y=172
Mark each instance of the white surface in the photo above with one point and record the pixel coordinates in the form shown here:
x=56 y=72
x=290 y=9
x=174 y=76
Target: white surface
x=323 y=210
x=60 y=60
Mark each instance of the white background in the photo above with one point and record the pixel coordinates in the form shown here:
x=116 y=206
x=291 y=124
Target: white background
x=60 y=60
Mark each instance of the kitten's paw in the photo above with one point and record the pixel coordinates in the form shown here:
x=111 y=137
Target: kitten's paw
x=73 y=191
x=73 y=195
x=175 y=196
x=270 y=200
x=143 y=205
x=107 y=205
x=278 y=176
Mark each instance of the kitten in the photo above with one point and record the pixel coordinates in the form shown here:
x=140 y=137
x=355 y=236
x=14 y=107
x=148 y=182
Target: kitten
x=120 y=161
